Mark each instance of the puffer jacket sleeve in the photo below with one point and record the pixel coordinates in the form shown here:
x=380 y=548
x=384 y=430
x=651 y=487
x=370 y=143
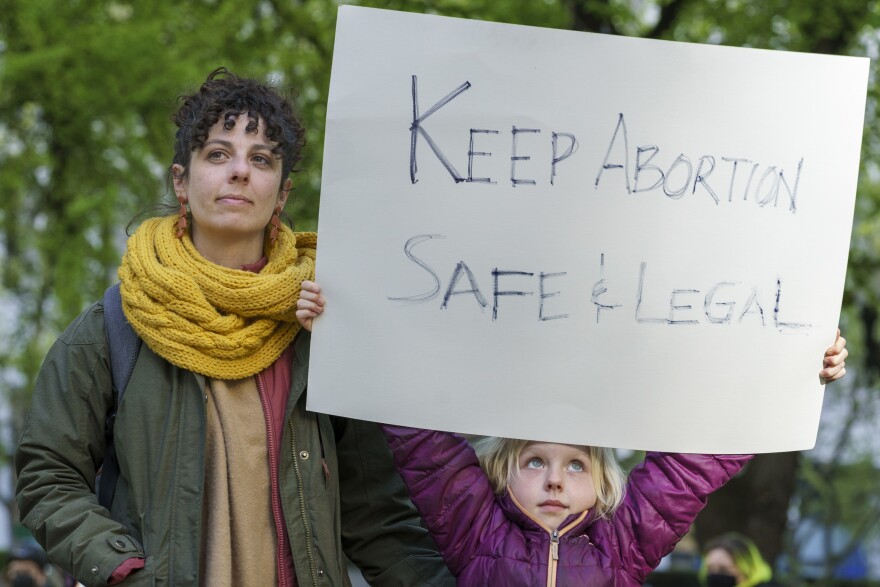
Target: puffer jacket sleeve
x=381 y=530
x=664 y=494
x=449 y=489
x=61 y=447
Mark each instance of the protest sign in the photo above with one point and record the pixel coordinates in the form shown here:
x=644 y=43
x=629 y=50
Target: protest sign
x=582 y=238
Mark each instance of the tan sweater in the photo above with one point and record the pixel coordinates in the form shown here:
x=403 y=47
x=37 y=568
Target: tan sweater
x=238 y=535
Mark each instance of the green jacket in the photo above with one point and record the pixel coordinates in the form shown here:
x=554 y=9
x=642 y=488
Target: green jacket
x=363 y=508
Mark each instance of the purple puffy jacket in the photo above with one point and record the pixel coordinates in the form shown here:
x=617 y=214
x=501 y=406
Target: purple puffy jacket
x=487 y=540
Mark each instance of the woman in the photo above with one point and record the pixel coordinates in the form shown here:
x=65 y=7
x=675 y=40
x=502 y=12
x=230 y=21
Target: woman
x=732 y=560
x=225 y=478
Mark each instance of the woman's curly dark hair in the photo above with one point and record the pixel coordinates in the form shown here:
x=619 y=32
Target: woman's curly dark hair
x=226 y=95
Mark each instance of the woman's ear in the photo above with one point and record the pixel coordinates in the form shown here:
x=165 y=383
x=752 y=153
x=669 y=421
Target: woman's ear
x=285 y=191
x=177 y=175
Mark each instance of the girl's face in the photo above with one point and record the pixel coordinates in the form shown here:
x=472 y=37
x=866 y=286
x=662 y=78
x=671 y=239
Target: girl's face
x=232 y=187
x=553 y=481
x=719 y=562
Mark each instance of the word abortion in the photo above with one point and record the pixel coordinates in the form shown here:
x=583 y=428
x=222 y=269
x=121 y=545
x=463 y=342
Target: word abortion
x=722 y=303
x=740 y=178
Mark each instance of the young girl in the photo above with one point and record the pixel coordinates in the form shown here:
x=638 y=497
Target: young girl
x=540 y=513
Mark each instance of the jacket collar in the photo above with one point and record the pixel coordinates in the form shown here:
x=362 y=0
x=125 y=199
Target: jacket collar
x=574 y=524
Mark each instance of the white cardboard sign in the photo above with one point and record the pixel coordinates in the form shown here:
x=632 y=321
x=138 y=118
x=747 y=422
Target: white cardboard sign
x=582 y=238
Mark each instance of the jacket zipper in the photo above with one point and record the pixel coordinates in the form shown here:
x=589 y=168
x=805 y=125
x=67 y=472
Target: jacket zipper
x=554 y=558
x=302 y=503
x=553 y=555
x=273 y=485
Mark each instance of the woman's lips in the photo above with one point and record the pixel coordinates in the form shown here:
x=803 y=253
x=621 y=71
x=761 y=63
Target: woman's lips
x=233 y=199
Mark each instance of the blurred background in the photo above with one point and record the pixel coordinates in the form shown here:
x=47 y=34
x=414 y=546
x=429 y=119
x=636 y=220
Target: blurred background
x=86 y=91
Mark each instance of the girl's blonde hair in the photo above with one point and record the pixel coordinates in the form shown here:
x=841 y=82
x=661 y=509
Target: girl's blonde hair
x=499 y=458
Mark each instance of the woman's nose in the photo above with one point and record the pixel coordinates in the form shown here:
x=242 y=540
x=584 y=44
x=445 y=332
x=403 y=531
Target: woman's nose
x=239 y=170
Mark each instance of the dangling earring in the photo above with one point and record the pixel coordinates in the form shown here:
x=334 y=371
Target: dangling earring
x=275 y=223
x=181 y=222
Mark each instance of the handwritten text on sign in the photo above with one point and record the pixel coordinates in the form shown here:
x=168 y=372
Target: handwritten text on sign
x=581 y=238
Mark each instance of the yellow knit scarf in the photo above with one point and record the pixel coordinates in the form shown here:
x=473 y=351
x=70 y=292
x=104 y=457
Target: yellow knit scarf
x=223 y=323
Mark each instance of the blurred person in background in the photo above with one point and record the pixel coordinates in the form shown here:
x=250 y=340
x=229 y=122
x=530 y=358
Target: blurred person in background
x=26 y=566
x=733 y=560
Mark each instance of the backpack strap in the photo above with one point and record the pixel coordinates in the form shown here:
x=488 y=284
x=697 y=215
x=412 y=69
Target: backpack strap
x=123 y=345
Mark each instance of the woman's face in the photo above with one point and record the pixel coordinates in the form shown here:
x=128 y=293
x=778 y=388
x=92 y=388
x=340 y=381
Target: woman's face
x=232 y=187
x=719 y=562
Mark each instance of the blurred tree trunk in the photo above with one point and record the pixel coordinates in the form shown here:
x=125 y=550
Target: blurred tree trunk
x=754 y=503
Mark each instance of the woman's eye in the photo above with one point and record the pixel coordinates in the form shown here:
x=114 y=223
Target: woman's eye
x=534 y=463
x=576 y=466
x=215 y=155
x=262 y=159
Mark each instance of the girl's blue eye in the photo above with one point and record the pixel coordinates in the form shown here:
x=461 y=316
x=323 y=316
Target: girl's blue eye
x=534 y=463
x=576 y=466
